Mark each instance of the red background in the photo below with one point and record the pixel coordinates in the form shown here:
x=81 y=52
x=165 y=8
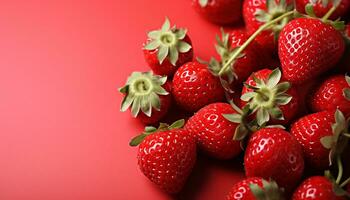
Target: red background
x=61 y=133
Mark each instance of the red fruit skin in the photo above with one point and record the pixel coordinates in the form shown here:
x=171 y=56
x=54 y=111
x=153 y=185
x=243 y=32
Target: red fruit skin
x=194 y=87
x=344 y=65
x=221 y=12
x=253 y=58
x=307 y=48
x=309 y=130
x=167 y=158
x=213 y=132
x=320 y=11
x=317 y=188
x=290 y=111
x=166 y=68
x=348 y=188
x=165 y=104
x=329 y=95
x=241 y=190
x=264 y=39
x=274 y=153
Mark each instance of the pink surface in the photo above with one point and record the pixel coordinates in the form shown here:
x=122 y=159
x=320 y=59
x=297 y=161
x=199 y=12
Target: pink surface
x=61 y=133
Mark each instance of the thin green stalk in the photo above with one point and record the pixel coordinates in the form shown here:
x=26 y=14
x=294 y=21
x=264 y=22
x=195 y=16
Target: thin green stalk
x=329 y=13
x=340 y=169
x=345 y=182
x=251 y=38
x=346 y=135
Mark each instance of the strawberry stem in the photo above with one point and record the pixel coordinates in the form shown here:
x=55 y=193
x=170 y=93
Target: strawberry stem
x=329 y=13
x=251 y=38
x=347 y=181
x=340 y=169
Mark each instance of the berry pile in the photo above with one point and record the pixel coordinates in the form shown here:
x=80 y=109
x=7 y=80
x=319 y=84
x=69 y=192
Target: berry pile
x=279 y=93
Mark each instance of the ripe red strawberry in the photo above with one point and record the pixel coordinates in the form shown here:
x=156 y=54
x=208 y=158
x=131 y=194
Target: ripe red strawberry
x=321 y=7
x=194 y=87
x=166 y=156
x=251 y=58
x=316 y=187
x=321 y=136
x=267 y=95
x=255 y=188
x=344 y=65
x=333 y=93
x=167 y=49
x=147 y=93
x=274 y=153
x=213 y=132
x=307 y=48
x=219 y=11
x=257 y=12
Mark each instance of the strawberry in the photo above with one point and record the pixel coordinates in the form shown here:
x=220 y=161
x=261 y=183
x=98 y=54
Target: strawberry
x=316 y=187
x=194 y=87
x=255 y=188
x=167 y=49
x=321 y=7
x=258 y=12
x=333 y=93
x=274 y=153
x=213 y=132
x=322 y=136
x=166 y=156
x=221 y=12
x=307 y=48
x=345 y=61
x=147 y=93
x=267 y=95
x=249 y=61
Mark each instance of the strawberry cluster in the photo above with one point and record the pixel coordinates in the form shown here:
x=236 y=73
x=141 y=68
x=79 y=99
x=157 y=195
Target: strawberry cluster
x=279 y=93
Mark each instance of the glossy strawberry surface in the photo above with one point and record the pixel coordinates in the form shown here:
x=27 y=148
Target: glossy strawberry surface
x=309 y=130
x=320 y=10
x=167 y=158
x=213 y=132
x=194 y=87
x=241 y=190
x=274 y=153
x=329 y=95
x=307 y=48
x=220 y=11
x=166 y=68
x=316 y=188
x=289 y=110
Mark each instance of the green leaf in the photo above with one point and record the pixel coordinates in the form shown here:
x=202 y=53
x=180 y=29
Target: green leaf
x=347 y=78
x=346 y=93
x=154 y=34
x=338 y=191
x=150 y=129
x=152 y=45
x=327 y=142
x=248 y=96
x=176 y=125
x=274 y=78
x=309 y=9
x=155 y=101
x=257 y=191
x=124 y=89
x=137 y=140
x=160 y=90
x=262 y=116
x=184 y=47
x=276 y=113
x=135 y=109
x=174 y=55
x=203 y=3
x=283 y=87
x=235 y=118
x=166 y=25
x=240 y=133
x=338 y=25
x=146 y=106
x=283 y=99
x=127 y=101
x=162 y=53
x=181 y=33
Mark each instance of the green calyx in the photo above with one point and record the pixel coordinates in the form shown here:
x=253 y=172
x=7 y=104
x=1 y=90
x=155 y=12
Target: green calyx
x=337 y=187
x=150 y=130
x=169 y=42
x=337 y=142
x=203 y=3
x=269 y=191
x=142 y=91
x=266 y=97
x=346 y=91
x=225 y=51
x=274 y=10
